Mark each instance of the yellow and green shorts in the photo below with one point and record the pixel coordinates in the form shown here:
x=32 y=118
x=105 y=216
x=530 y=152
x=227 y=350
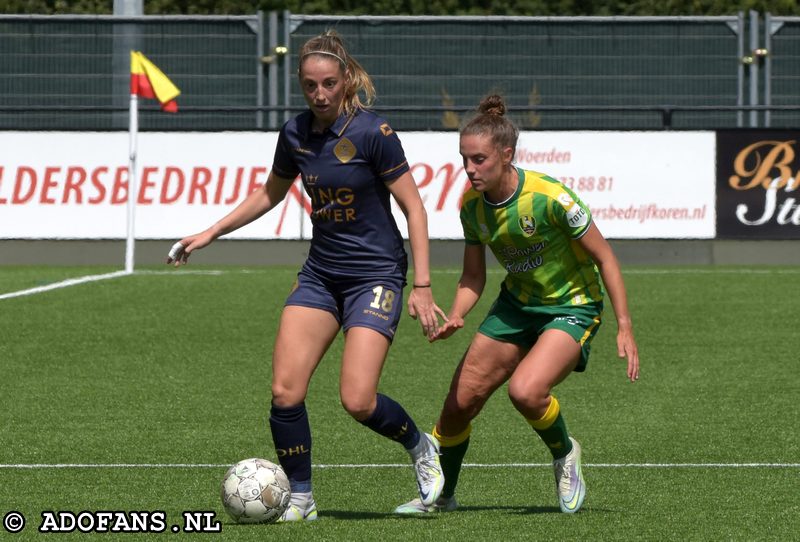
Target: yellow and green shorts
x=511 y=321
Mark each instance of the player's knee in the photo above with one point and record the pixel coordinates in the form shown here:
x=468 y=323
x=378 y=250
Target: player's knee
x=360 y=408
x=286 y=396
x=529 y=396
x=462 y=407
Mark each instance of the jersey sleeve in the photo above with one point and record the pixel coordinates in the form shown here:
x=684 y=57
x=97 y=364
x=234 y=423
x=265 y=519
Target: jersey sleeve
x=283 y=164
x=470 y=237
x=571 y=214
x=468 y=220
x=387 y=156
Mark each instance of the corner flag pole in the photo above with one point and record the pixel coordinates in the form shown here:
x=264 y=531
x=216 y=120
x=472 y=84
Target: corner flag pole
x=149 y=82
x=132 y=192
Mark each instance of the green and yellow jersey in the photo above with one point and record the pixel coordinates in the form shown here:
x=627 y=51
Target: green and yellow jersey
x=534 y=237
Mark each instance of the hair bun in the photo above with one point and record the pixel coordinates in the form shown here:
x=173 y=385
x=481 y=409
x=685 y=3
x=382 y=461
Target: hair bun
x=492 y=105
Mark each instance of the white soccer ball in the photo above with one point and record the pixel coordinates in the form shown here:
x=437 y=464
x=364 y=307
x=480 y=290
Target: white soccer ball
x=255 y=491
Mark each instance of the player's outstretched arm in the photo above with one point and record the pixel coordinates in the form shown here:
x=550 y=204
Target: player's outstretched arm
x=602 y=254
x=421 y=305
x=254 y=206
x=469 y=290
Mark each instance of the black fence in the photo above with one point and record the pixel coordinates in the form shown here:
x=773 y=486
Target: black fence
x=556 y=73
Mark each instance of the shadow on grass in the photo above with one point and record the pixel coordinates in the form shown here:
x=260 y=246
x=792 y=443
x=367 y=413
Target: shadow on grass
x=351 y=515
x=359 y=515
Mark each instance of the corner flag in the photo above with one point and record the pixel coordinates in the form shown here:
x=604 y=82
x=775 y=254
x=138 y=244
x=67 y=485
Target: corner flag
x=148 y=81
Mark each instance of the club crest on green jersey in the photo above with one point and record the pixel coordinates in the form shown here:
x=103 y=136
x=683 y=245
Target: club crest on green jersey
x=527 y=224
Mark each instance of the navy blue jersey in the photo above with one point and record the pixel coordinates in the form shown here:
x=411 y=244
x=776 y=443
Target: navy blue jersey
x=344 y=171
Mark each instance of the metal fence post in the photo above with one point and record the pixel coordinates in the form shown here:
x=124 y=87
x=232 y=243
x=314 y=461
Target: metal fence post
x=126 y=39
x=273 y=68
x=740 y=68
x=771 y=27
x=259 y=69
x=753 y=67
x=287 y=75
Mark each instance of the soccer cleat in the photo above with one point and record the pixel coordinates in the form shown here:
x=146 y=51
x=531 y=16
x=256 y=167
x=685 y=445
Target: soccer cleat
x=415 y=506
x=301 y=508
x=430 y=479
x=570 y=487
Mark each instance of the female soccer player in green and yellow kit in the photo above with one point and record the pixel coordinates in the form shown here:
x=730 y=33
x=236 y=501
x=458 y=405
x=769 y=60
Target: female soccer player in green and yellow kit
x=540 y=327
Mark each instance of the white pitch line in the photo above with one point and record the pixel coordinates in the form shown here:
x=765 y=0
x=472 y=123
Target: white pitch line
x=743 y=271
x=94 y=278
x=595 y=465
x=400 y=465
x=112 y=466
x=64 y=284
x=676 y=271
x=175 y=273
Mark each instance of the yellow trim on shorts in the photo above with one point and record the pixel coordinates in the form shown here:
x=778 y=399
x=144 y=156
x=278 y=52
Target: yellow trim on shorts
x=549 y=417
x=589 y=331
x=454 y=440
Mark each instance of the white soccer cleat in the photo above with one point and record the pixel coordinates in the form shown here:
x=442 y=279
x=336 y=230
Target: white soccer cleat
x=570 y=487
x=430 y=479
x=302 y=507
x=415 y=506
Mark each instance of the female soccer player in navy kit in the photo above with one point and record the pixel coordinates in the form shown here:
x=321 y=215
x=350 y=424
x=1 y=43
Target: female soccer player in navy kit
x=350 y=162
x=539 y=328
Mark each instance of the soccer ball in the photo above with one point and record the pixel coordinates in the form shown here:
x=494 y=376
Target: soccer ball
x=255 y=491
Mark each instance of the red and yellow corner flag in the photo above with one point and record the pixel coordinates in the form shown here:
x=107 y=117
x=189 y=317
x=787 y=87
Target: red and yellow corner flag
x=148 y=81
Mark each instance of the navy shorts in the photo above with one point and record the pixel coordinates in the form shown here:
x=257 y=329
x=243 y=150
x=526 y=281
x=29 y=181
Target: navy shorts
x=371 y=302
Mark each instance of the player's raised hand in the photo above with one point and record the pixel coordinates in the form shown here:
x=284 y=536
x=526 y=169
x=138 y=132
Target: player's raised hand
x=448 y=328
x=422 y=307
x=177 y=254
x=180 y=251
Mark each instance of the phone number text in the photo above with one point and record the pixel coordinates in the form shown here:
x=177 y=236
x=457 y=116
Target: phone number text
x=588 y=183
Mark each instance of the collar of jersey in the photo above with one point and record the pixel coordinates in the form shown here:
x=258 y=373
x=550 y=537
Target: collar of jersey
x=512 y=197
x=336 y=129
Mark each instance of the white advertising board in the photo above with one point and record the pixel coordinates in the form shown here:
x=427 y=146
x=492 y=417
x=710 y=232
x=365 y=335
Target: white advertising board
x=73 y=185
